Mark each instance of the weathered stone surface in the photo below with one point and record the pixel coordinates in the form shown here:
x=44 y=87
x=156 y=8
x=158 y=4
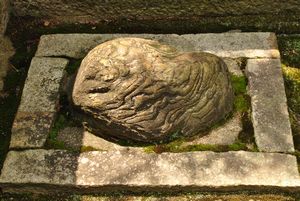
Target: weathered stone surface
x=38 y=102
x=102 y=171
x=224 y=135
x=30 y=130
x=6 y=51
x=162 y=10
x=69 y=45
x=142 y=90
x=4 y=16
x=77 y=138
x=41 y=90
x=234 y=66
x=269 y=106
x=233 y=45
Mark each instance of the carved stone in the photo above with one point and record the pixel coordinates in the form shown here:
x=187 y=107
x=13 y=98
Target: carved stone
x=143 y=90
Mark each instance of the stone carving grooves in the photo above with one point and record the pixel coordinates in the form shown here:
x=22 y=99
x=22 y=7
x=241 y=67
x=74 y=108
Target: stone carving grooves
x=142 y=90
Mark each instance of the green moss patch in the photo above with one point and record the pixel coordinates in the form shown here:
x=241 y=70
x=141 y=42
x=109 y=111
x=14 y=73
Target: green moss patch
x=241 y=100
x=88 y=148
x=292 y=88
x=52 y=141
x=289 y=46
x=177 y=147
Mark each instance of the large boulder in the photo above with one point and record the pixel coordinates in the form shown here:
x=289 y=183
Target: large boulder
x=142 y=90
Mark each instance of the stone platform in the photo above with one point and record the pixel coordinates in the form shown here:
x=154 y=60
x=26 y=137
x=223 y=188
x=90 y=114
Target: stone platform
x=37 y=169
x=43 y=170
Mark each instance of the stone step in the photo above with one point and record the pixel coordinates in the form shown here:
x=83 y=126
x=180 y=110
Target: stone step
x=270 y=116
x=233 y=45
x=39 y=103
x=54 y=171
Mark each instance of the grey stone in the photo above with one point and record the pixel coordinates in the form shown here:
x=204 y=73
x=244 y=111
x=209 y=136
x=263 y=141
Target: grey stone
x=30 y=130
x=108 y=171
x=142 y=90
x=224 y=135
x=190 y=13
x=71 y=137
x=77 y=138
x=41 y=90
x=234 y=66
x=69 y=45
x=233 y=45
x=39 y=103
x=270 y=116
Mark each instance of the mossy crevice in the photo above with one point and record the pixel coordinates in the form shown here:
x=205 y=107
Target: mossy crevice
x=176 y=147
x=292 y=86
x=289 y=47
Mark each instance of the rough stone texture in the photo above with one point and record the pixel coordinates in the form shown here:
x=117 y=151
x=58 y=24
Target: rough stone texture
x=77 y=138
x=132 y=88
x=4 y=16
x=6 y=51
x=92 y=171
x=269 y=106
x=224 y=135
x=234 y=66
x=38 y=103
x=41 y=90
x=31 y=129
x=233 y=45
x=81 y=10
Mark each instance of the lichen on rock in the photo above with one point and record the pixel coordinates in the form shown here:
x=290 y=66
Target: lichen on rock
x=142 y=90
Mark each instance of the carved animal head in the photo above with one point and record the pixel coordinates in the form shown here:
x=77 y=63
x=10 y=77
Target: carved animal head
x=143 y=90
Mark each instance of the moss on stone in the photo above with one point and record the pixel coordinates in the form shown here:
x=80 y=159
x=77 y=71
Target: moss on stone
x=242 y=100
x=178 y=147
x=52 y=141
x=88 y=148
x=289 y=46
x=292 y=88
x=241 y=104
x=239 y=84
x=292 y=83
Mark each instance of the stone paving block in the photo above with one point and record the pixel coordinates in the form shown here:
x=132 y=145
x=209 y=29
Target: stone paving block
x=41 y=90
x=53 y=170
x=224 y=135
x=75 y=138
x=38 y=103
x=270 y=116
x=233 y=45
x=30 y=130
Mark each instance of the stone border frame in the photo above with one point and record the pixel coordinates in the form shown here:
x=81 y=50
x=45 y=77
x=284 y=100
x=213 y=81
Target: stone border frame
x=199 y=170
